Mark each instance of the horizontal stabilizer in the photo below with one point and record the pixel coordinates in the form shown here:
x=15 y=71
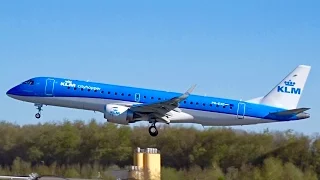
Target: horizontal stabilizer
x=290 y=112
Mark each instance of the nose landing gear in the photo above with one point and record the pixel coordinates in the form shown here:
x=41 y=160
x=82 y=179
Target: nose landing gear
x=39 y=107
x=153 y=130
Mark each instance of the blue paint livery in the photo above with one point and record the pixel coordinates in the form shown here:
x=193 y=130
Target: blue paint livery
x=60 y=87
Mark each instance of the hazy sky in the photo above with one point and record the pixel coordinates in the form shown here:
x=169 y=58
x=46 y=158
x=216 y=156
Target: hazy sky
x=233 y=49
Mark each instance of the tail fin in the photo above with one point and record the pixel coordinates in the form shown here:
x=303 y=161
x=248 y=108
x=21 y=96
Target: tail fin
x=288 y=92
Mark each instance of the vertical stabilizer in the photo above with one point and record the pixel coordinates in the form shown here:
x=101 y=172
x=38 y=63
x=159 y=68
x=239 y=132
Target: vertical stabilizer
x=288 y=92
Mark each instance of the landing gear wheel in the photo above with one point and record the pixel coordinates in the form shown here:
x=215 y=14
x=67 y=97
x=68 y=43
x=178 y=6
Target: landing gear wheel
x=38 y=115
x=153 y=131
x=39 y=107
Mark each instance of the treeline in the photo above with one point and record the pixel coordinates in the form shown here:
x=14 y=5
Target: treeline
x=78 y=149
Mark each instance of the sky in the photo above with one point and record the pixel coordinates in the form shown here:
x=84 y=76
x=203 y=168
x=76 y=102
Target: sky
x=232 y=49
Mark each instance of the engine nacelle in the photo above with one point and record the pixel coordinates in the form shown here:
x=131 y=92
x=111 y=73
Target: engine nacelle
x=118 y=114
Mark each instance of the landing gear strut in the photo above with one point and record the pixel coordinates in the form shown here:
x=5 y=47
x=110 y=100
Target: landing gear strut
x=39 y=107
x=153 y=130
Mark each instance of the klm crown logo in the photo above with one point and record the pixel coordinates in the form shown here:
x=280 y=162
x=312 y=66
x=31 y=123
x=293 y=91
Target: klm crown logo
x=289 y=88
x=289 y=83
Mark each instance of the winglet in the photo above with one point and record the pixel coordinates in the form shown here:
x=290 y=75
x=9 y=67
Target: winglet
x=191 y=89
x=188 y=92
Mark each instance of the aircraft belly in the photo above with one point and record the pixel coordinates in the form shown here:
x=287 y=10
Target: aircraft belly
x=93 y=104
x=186 y=116
x=221 y=119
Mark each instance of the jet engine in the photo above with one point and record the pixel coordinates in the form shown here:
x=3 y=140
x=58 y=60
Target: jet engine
x=118 y=114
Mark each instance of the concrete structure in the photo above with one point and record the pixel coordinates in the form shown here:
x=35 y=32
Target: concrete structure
x=147 y=164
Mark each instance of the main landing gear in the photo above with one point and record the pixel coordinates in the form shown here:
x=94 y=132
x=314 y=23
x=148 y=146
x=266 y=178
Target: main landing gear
x=39 y=107
x=153 y=130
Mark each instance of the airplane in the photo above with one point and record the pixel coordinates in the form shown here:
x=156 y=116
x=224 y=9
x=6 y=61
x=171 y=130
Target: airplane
x=125 y=104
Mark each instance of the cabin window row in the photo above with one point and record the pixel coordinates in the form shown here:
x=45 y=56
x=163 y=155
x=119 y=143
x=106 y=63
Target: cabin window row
x=204 y=104
x=185 y=102
x=115 y=93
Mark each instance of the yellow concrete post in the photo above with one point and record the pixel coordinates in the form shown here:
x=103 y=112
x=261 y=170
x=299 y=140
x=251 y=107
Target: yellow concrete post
x=147 y=164
x=152 y=164
x=139 y=158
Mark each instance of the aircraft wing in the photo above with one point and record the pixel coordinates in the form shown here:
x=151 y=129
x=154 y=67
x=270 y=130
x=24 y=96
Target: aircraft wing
x=160 y=110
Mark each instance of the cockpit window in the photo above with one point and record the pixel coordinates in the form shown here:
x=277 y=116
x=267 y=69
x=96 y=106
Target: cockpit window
x=30 y=82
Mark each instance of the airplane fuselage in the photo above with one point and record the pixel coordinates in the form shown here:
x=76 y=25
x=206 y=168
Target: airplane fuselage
x=205 y=110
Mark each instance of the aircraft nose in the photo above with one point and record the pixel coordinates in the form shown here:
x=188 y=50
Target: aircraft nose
x=11 y=91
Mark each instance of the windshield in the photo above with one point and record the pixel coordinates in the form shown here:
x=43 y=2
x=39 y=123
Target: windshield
x=30 y=82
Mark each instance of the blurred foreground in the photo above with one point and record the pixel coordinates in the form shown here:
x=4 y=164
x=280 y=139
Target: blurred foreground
x=78 y=150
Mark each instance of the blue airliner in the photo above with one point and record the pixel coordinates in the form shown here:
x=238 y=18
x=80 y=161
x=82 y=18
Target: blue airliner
x=124 y=105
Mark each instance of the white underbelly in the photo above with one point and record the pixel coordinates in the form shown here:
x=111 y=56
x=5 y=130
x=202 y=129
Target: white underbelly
x=222 y=119
x=193 y=116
